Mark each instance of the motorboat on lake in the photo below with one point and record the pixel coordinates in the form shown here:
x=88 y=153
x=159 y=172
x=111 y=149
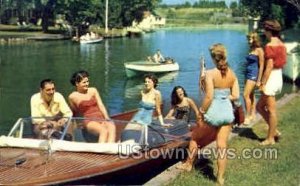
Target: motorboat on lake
x=73 y=156
x=145 y=66
x=91 y=40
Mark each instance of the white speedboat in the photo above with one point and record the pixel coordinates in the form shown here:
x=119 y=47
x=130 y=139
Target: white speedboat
x=292 y=68
x=73 y=156
x=91 y=41
x=141 y=67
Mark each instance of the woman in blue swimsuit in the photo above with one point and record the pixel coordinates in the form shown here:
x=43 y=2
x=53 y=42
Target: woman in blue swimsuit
x=254 y=70
x=150 y=102
x=216 y=112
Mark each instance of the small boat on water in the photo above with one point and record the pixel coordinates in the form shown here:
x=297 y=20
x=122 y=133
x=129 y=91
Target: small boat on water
x=291 y=69
x=91 y=40
x=141 y=67
x=74 y=157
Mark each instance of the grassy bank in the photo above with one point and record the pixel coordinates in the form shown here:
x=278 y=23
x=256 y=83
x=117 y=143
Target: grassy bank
x=262 y=167
x=197 y=16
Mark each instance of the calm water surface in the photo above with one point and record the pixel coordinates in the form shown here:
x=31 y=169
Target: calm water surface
x=22 y=67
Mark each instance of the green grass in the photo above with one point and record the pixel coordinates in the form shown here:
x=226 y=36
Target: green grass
x=284 y=170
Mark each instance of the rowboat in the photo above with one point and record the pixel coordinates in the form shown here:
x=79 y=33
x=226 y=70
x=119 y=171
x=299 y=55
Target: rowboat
x=292 y=67
x=141 y=67
x=91 y=40
x=78 y=159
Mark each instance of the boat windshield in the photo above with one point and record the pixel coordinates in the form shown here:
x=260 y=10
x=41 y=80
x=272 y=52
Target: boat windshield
x=75 y=130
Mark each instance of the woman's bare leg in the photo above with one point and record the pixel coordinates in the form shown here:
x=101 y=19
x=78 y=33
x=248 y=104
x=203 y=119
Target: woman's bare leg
x=111 y=132
x=99 y=129
x=261 y=107
x=248 y=90
x=253 y=105
x=222 y=138
x=271 y=106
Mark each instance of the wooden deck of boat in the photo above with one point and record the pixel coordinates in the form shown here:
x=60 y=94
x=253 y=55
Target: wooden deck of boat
x=62 y=167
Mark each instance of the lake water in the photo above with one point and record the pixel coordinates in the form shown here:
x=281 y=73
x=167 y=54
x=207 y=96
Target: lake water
x=23 y=66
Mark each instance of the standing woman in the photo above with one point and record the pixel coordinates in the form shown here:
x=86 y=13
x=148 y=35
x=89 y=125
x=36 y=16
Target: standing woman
x=181 y=105
x=254 y=70
x=221 y=87
x=271 y=82
x=87 y=102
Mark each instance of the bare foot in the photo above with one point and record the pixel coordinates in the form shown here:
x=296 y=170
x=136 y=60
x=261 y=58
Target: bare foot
x=220 y=181
x=267 y=142
x=248 y=120
x=277 y=135
x=185 y=166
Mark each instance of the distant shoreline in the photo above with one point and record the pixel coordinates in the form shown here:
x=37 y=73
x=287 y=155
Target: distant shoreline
x=242 y=27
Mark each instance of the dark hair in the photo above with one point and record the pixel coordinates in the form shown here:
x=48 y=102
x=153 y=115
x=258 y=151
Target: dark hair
x=153 y=78
x=45 y=81
x=273 y=26
x=174 y=97
x=78 y=76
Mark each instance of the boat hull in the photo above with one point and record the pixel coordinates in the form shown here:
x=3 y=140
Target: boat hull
x=91 y=41
x=39 y=166
x=138 y=68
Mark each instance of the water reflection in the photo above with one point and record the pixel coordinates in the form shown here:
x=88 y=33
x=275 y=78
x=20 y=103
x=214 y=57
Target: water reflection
x=133 y=86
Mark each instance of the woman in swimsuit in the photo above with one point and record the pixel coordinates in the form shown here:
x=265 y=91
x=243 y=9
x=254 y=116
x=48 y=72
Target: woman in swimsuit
x=87 y=102
x=216 y=111
x=254 y=70
x=181 y=105
x=151 y=100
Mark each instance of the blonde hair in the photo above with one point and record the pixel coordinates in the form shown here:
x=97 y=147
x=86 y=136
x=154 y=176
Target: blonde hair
x=256 y=40
x=219 y=53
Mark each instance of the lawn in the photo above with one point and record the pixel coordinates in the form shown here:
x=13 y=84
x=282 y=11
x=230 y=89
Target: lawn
x=270 y=165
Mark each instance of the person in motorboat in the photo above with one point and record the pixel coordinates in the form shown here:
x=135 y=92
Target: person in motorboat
x=86 y=101
x=86 y=37
x=158 y=57
x=181 y=105
x=49 y=110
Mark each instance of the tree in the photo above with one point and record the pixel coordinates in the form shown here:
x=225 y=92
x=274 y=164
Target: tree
x=296 y=3
x=276 y=9
x=46 y=7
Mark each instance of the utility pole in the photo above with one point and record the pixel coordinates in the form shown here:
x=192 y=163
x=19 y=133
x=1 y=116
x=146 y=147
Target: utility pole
x=106 y=17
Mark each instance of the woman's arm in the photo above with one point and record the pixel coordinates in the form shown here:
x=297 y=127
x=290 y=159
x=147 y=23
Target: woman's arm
x=209 y=92
x=235 y=90
x=170 y=114
x=266 y=74
x=261 y=63
x=194 y=107
x=157 y=106
x=100 y=103
x=72 y=105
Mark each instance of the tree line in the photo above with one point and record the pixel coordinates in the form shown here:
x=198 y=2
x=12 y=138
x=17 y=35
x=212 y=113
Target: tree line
x=286 y=11
x=75 y=12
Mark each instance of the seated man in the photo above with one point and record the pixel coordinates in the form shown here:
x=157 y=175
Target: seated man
x=158 y=58
x=48 y=103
